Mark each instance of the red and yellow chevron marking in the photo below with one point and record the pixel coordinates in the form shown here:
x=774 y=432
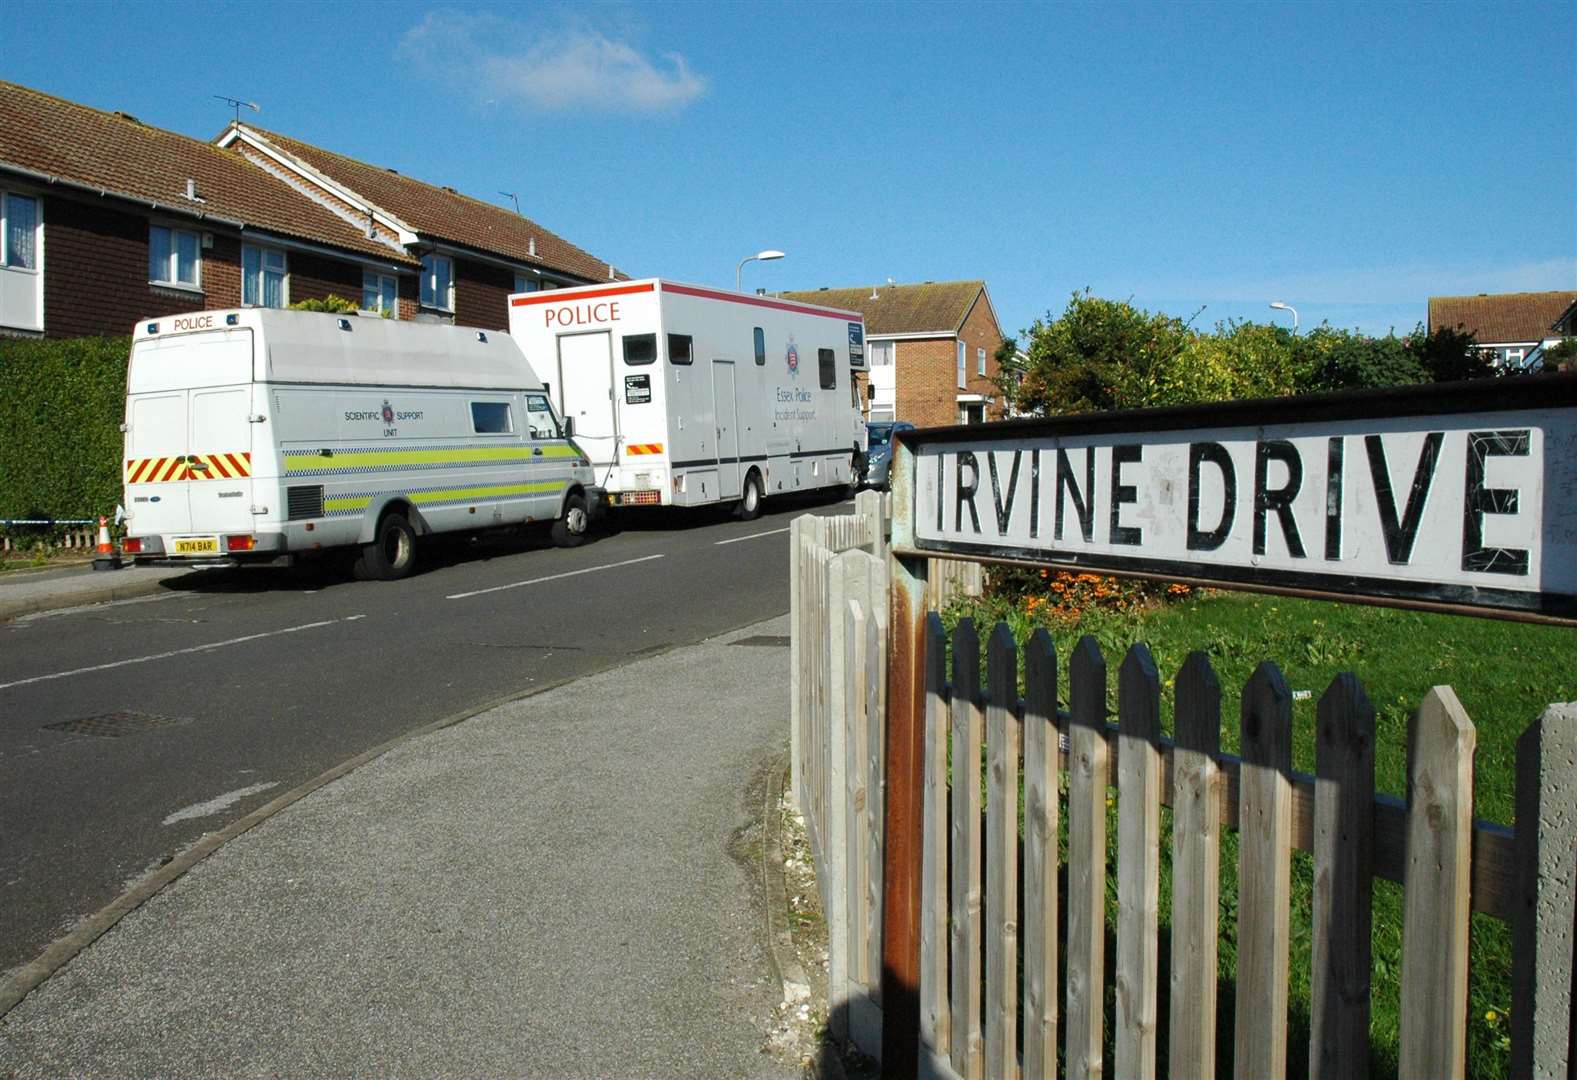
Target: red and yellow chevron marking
x=163 y=470
x=644 y=448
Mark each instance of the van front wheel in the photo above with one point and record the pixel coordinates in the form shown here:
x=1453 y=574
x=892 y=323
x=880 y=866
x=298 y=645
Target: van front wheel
x=571 y=527
x=392 y=553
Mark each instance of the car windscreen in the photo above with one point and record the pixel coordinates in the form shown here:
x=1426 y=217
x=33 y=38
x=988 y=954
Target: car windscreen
x=880 y=436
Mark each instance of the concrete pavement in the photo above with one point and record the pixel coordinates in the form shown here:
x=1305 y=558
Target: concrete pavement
x=24 y=592
x=405 y=920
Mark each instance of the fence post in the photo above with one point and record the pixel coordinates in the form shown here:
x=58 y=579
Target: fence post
x=1138 y=861
x=848 y=579
x=868 y=506
x=1440 y=743
x=1542 y=1021
x=964 y=942
x=1343 y=882
x=1196 y=869
x=1002 y=749
x=1041 y=795
x=1264 y=876
x=1086 y=859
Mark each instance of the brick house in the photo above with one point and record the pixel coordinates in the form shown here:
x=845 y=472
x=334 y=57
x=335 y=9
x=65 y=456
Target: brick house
x=1514 y=325
x=931 y=350
x=472 y=254
x=105 y=221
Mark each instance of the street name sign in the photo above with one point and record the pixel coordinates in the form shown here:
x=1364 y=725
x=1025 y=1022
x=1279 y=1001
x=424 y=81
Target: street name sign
x=1462 y=495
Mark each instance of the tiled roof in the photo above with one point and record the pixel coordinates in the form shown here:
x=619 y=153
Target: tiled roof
x=938 y=307
x=444 y=214
x=1502 y=318
x=119 y=155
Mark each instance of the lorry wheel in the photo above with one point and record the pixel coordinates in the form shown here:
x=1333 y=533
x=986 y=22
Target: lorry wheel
x=392 y=553
x=571 y=528
x=750 y=502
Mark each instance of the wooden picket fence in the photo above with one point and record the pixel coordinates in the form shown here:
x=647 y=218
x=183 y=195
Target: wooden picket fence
x=974 y=1020
x=56 y=538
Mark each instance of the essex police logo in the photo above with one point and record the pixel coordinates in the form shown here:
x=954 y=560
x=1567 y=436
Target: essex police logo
x=793 y=358
x=388 y=412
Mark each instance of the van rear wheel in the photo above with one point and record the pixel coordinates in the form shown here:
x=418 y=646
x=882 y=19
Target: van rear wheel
x=750 y=500
x=392 y=553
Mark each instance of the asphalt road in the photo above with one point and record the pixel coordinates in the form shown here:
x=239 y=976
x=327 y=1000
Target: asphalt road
x=252 y=682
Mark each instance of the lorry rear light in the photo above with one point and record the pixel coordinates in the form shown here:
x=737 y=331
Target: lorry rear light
x=132 y=545
x=240 y=543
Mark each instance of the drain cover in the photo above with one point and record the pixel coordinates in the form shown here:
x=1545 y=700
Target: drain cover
x=116 y=724
x=778 y=641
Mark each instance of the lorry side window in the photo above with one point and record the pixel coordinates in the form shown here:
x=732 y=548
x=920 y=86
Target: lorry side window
x=491 y=418
x=761 y=347
x=827 y=360
x=640 y=349
x=679 y=349
x=540 y=421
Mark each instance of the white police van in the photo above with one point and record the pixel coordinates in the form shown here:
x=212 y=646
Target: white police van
x=257 y=434
x=688 y=396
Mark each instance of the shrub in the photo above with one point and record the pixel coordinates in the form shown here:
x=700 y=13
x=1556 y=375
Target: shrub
x=61 y=405
x=332 y=303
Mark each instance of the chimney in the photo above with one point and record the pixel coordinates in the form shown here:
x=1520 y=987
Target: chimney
x=191 y=191
x=531 y=248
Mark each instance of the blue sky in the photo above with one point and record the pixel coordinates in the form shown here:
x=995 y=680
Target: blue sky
x=1349 y=159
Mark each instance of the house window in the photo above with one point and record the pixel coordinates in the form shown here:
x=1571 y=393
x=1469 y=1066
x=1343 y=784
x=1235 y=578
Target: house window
x=263 y=273
x=827 y=362
x=980 y=361
x=963 y=374
x=1515 y=356
x=173 y=257
x=21 y=259
x=881 y=353
x=527 y=283
x=379 y=292
x=438 y=282
x=761 y=347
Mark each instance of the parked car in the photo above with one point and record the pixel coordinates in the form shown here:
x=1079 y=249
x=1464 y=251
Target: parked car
x=879 y=452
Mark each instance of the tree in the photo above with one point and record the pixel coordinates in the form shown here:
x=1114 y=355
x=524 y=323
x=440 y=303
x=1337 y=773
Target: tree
x=1097 y=355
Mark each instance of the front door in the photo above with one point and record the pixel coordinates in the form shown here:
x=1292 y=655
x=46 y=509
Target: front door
x=585 y=394
x=725 y=409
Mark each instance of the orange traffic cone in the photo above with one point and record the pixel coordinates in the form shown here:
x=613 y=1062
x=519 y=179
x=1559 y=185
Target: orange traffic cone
x=106 y=558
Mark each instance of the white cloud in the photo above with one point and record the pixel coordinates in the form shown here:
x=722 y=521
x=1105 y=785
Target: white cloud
x=546 y=69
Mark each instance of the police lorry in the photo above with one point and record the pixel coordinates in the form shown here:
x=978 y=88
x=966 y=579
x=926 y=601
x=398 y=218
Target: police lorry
x=689 y=396
x=261 y=434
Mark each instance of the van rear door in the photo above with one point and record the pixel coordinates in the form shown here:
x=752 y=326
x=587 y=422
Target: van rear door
x=219 y=460
x=156 y=497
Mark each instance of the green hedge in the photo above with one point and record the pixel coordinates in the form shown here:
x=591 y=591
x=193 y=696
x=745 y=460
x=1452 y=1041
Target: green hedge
x=61 y=406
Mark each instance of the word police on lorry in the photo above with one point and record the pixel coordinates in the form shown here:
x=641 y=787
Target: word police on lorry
x=256 y=434
x=685 y=396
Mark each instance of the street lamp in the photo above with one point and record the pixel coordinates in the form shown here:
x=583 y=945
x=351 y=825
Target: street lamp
x=1281 y=306
x=760 y=256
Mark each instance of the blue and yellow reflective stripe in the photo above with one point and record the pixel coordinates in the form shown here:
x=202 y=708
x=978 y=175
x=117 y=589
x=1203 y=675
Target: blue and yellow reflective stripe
x=314 y=463
x=342 y=505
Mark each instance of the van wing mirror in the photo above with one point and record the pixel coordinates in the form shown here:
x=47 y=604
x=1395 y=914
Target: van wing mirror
x=569 y=427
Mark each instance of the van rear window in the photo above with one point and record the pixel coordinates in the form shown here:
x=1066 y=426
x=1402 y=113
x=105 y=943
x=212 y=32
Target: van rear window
x=491 y=418
x=640 y=349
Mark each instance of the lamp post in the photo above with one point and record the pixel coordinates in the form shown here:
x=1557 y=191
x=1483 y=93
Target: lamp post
x=760 y=256
x=1281 y=306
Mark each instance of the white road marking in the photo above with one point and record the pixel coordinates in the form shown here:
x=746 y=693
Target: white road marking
x=218 y=803
x=550 y=577
x=752 y=536
x=212 y=645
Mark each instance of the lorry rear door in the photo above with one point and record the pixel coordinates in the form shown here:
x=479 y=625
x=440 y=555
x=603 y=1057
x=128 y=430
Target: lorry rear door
x=585 y=393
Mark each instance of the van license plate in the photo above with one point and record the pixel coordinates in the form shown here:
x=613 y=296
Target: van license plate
x=197 y=545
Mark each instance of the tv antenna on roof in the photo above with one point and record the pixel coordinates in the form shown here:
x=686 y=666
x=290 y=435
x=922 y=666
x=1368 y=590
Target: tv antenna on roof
x=512 y=195
x=236 y=103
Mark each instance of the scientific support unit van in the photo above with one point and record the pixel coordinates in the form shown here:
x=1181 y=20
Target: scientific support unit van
x=688 y=396
x=258 y=433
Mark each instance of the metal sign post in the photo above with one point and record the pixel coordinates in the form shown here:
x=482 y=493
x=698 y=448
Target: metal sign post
x=1459 y=497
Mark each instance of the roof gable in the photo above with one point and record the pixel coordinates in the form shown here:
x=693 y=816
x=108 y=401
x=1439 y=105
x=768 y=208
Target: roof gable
x=441 y=213
x=1503 y=318
x=932 y=307
x=116 y=154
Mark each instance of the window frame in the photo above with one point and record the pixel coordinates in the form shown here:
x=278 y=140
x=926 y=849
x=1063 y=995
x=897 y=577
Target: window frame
x=6 y=198
x=448 y=300
x=980 y=360
x=963 y=364
x=263 y=270
x=525 y=283
x=689 y=349
x=509 y=418
x=173 y=257
x=827 y=362
x=625 y=340
x=379 y=278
